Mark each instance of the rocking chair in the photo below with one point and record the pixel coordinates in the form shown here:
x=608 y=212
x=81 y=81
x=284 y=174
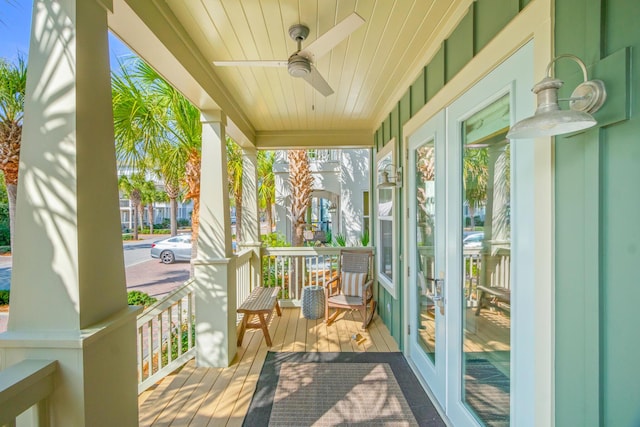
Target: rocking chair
x=353 y=288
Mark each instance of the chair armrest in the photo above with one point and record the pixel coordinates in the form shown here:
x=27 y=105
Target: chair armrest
x=367 y=291
x=332 y=287
x=335 y=279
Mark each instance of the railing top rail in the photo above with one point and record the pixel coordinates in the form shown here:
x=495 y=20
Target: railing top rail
x=313 y=250
x=243 y=255
x=32 y=378
x=166 y=302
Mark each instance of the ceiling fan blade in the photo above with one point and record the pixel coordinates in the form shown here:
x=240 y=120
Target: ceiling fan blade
x=267 y=63
x=315 y=79
x=331 y=38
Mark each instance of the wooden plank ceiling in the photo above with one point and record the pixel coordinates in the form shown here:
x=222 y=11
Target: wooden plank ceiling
x=369 y=71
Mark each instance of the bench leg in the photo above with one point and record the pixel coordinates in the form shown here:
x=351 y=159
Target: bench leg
x=265 y=330
x=278 y=308
x=480 y=302
x=243 y=327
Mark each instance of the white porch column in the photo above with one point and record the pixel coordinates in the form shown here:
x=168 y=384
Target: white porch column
x=214 y=267
x=250 y=212
x=68 y=294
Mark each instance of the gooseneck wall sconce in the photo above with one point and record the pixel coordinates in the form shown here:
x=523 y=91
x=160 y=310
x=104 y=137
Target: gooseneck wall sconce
x=387 y=180
x=549 y=119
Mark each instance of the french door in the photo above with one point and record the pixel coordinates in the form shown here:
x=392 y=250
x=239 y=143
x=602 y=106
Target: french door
x=467 y=209
x=427 y=255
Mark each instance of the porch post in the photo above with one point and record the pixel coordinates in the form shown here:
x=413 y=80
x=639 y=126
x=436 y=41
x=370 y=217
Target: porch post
x=496 y=220
x=214 y=267
x=68 y=291
x=250 y=215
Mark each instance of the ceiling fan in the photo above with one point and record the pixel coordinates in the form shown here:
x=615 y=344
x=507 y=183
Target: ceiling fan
x=300 y=63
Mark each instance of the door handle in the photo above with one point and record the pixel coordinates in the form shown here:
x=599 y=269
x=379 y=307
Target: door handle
x=438 y=296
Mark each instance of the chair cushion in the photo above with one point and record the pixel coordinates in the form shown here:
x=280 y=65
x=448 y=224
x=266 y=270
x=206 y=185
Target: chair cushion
x=345 y=300
x=352 y=283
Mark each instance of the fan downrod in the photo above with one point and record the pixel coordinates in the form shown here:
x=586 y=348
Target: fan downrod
x=298 y=32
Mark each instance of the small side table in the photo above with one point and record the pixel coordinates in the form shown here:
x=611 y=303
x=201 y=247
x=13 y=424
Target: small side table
x=313 y=302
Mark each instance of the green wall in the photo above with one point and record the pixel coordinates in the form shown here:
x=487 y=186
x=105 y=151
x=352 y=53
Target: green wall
x=597 y=231
x=482 y=22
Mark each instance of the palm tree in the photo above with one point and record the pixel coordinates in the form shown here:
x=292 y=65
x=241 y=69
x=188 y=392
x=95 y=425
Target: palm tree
x=476 y=177
x=234 y=170
x=193 y=191
x=133 y=187
x=266 y=184
x=13 y=81
x=156 y=128
x=150 y=195
x=301 y=185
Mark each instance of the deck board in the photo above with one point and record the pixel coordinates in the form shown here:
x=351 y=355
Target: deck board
x=221 y=396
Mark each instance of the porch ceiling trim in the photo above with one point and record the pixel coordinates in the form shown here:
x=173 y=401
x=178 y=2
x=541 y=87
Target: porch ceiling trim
x=275 y=140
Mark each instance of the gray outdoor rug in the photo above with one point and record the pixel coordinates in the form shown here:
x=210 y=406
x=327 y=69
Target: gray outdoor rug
x=338 y=389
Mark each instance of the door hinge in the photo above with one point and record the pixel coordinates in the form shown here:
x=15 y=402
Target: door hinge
x=408 y=329
x=408 y=270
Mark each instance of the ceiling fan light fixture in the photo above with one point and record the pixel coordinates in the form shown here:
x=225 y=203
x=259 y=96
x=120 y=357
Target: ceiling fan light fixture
x=299 y=66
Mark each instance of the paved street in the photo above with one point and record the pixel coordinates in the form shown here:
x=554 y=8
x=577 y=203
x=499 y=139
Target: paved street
x=142 y=272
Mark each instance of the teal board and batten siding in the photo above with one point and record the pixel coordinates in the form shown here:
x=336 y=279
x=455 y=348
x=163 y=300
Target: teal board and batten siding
x=597 y=218
x=484 y=19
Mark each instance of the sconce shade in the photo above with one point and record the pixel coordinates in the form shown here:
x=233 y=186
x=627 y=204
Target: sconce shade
x=551 y=123
x=389 y=182
x=549 y=119
x=385 y=182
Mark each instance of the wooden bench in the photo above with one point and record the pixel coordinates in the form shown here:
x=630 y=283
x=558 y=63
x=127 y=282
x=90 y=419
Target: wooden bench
x=260 y=303
x=495 y=296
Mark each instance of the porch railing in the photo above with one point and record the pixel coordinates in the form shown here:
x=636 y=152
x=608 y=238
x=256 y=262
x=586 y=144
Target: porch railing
x=244 y=283
x=165 y=330
x=166 y=335
x=294 y=268
x=24 y=385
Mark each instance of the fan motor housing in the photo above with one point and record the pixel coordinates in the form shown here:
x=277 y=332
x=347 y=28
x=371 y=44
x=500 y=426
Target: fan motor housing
x=299 y=66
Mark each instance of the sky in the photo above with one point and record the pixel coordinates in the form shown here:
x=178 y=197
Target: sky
x=15 y=27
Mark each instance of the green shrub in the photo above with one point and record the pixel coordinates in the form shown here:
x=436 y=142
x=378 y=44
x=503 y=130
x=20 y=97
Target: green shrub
x=341 y=240
x=4 y=297
x=5 y=233
x=269 y=277
x=184 y=223
x=5 y=250
x=127 y=236
x=166 y=223
x=274 y=240
x=364 y=238
x=155 y=231
x=174 y=341
x=140 y=298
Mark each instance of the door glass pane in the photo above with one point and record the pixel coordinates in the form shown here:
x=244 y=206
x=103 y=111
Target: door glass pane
x=426 y=242
x=486 y=260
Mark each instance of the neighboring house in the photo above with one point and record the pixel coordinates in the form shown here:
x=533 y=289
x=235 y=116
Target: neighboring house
x=161 y=210
x=340 y=197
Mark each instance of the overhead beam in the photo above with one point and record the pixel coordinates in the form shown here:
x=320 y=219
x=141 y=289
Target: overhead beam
x=277 y=140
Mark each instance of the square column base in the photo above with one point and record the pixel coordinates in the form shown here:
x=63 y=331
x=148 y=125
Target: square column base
x=216 y=328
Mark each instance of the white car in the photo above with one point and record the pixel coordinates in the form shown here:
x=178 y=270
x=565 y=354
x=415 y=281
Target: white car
x=473 y=240
x=177 y=248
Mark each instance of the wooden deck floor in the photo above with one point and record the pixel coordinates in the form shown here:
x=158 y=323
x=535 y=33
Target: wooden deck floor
x=221 y=396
